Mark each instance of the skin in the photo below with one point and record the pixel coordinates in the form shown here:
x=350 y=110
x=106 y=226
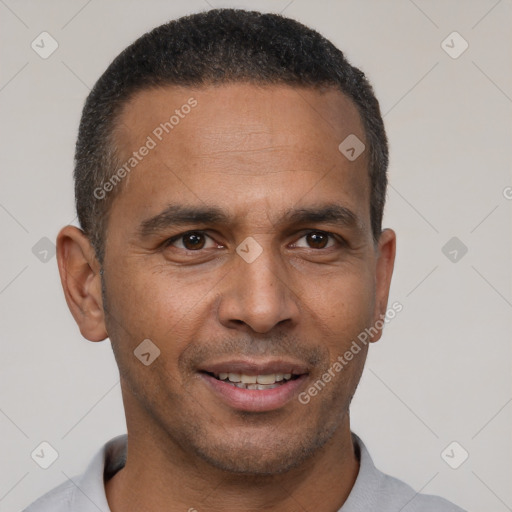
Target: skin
x=254 y=152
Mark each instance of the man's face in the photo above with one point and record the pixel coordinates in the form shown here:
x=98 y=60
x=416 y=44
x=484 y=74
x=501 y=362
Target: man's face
x=271 y=286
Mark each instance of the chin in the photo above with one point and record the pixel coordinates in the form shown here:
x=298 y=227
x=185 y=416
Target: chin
x=255 y=463
x=251 y=455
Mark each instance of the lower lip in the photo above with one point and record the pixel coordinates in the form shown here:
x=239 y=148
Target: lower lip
x=254 y=400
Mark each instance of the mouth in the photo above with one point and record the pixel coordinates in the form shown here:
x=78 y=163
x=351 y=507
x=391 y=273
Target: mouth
x=254 y=382
x=255 y=386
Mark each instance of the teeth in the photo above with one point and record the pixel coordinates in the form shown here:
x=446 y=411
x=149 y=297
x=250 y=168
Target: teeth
x=254 y=381
x=266 y=379
x=259 y=387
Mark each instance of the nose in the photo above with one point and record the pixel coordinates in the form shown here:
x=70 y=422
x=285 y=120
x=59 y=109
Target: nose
x=258 y=295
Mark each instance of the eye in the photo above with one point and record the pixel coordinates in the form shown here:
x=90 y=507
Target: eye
x=318 y=240
x=189 y=241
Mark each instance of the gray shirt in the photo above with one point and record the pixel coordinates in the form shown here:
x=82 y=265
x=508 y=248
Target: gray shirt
x=373 y=491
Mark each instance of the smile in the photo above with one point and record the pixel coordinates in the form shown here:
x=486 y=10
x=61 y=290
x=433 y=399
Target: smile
x=258 y=382
x=255 y=386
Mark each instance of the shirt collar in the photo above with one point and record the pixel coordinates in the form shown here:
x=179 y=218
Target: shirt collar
x=112 y=458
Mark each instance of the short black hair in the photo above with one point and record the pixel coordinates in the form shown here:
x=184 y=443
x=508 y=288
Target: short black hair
x=215 y=47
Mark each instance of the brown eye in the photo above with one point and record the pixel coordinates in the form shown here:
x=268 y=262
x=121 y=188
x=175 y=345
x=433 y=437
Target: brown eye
x=191 y=241
x=317 y=239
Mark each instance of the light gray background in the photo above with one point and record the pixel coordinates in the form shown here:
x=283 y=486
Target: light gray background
x=441 y=372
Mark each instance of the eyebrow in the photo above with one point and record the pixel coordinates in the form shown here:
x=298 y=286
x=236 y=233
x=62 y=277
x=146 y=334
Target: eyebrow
x=180 y=215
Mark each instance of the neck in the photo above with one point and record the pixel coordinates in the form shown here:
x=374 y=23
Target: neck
x=153 y=481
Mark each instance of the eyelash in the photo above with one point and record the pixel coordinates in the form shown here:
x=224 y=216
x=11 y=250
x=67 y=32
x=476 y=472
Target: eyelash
x=175 y=238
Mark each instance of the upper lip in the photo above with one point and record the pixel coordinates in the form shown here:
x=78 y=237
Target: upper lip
x=256 y=367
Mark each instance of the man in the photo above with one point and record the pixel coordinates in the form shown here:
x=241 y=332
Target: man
x=230 y=185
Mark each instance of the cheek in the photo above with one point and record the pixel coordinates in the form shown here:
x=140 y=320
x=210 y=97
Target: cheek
x=151 y=304
x=345 y=304
x=346 y=308
x=145 y=298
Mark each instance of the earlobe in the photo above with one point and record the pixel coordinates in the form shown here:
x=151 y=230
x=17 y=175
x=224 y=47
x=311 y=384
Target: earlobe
x=80 y=278
x=384 y=271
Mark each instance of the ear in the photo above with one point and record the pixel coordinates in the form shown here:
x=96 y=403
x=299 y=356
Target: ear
x=80 y=277
x=384 y=270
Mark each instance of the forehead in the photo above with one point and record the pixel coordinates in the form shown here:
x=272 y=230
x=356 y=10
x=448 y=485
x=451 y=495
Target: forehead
x=237 y=109
x=236 y=145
